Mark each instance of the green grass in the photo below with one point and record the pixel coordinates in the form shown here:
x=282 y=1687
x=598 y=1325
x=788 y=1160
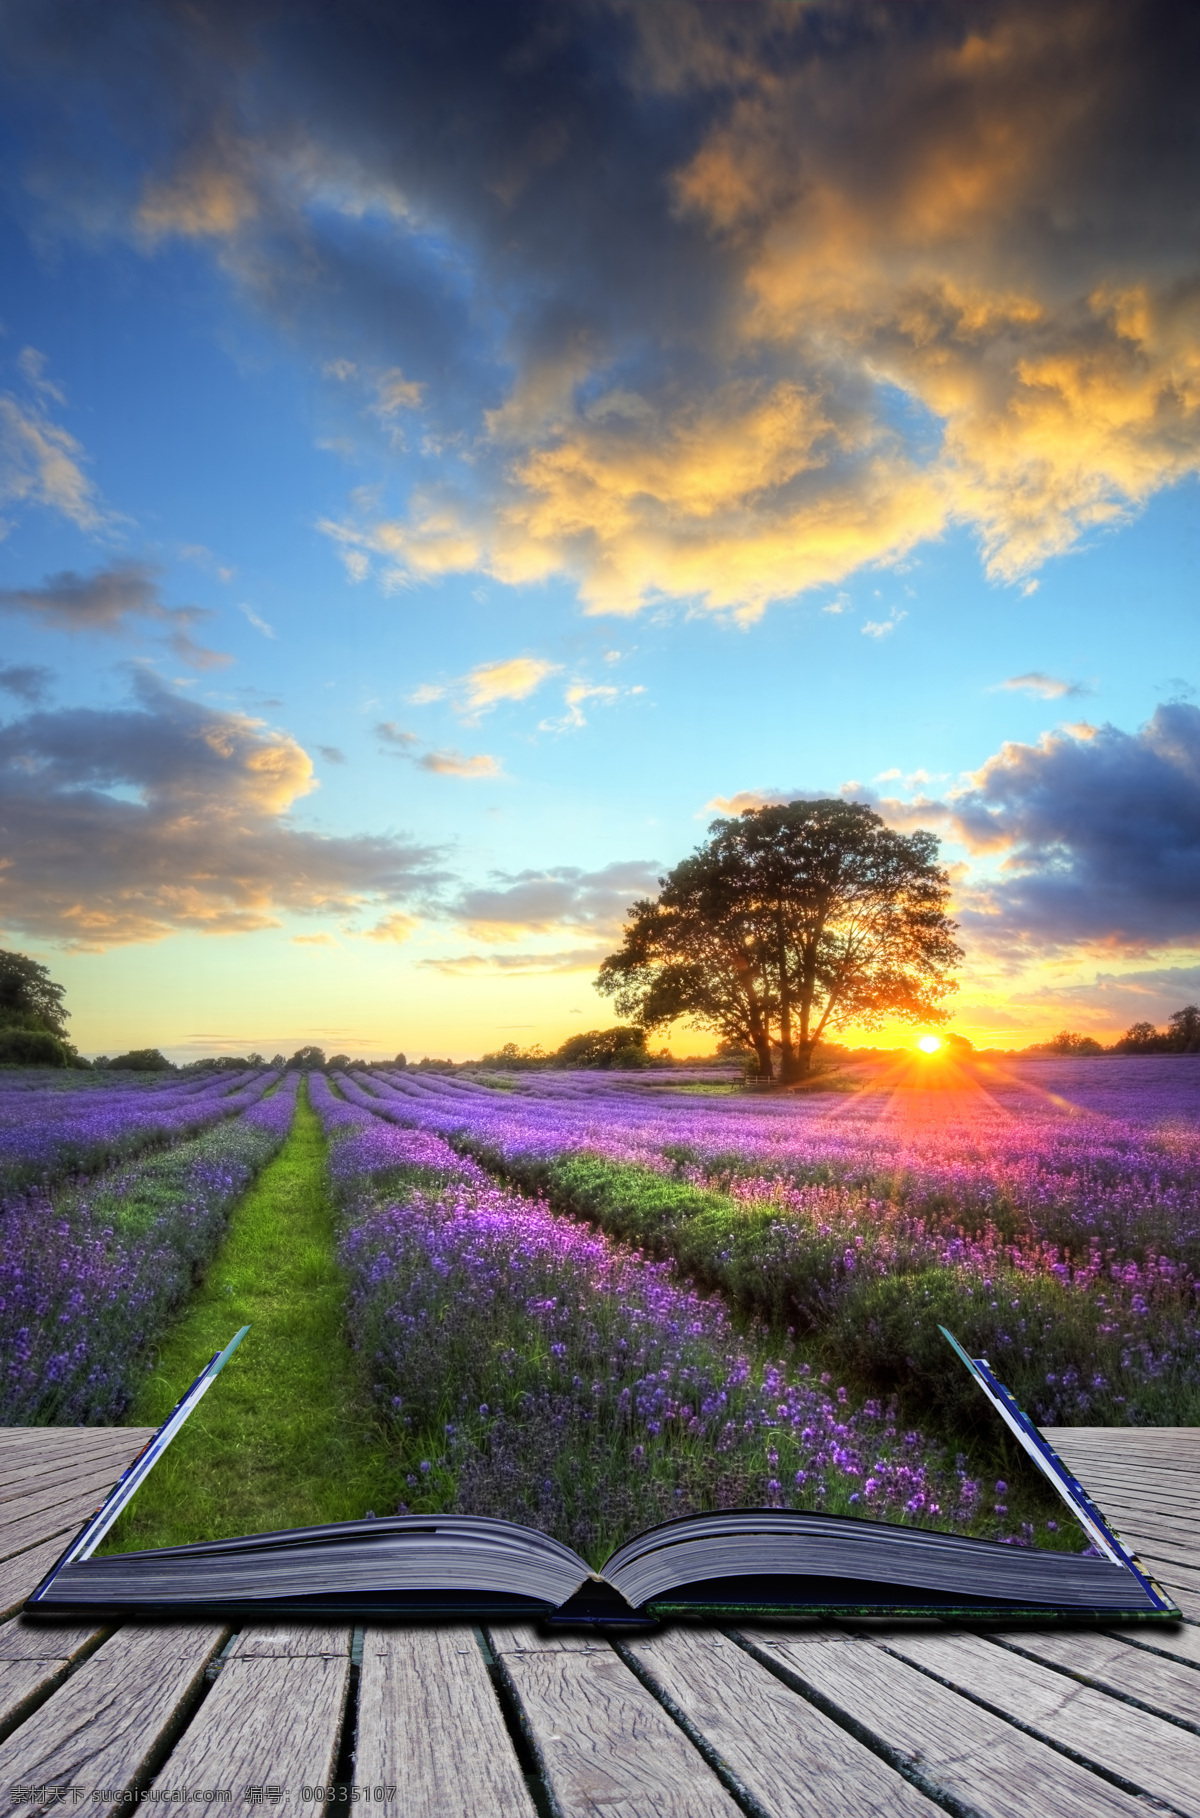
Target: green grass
x=707 y=1091
x=285 y=1437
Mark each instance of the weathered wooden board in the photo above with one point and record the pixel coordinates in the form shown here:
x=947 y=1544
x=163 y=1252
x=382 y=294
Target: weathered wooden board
x=1169 y=1570
x=1157 y=1757
x=112 y=1721
x=1178 y=1524
x=1181 y=1641
x=605 y=1744
x=814 y=1720
x=431 y=1728
x=96 y=1461
x=1184 y=1440
x=23 y=1573
x=787 y=1754
x=1188 y=1602
x=961 y=1752
x=1168 y=1687
x=25 y=1528
x=273 y=1719
x=34 y=1657
x=1145 y=1499
x=63 y=1475
x=21 y=1447
x=34 y=1482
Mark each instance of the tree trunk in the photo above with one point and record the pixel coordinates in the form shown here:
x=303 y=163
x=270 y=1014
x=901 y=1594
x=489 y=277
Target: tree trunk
x=802 y=1065
x=762 y=1047
x=787 y=1057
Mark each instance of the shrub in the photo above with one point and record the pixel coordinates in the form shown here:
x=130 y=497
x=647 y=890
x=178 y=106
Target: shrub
x=142 y=1060
x=32 y=1048
x=623 y=1046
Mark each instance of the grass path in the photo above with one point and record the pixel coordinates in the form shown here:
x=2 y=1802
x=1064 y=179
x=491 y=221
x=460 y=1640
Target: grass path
x=282 y=1439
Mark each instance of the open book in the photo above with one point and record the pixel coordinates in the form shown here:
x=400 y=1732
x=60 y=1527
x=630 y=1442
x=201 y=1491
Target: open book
x=734 y=1563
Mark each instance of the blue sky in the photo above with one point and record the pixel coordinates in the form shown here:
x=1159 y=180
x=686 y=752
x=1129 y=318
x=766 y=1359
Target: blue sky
x=444 y=463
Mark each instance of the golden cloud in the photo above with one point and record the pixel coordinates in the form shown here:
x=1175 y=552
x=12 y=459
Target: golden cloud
x=884 y=270
x=479 y=766
x=396 y=928
x=904 y=221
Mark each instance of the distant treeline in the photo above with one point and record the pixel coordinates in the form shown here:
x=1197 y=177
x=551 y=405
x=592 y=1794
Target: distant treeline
x=1181 y=1036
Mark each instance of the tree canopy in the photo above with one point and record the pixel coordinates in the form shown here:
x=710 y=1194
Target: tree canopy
x=29 y=997
x=139 y=1060
x=1181 y=1035
x=790 y=921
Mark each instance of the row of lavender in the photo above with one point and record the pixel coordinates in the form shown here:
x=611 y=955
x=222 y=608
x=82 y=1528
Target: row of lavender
x=534 y=1369
x=1056 y=1236
x=1063 y=1152
x=91 y=1275
x=48 y=1133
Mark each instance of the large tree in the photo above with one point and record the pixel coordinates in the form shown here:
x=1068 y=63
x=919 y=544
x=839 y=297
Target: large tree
x=29 y=997
x=788 y=922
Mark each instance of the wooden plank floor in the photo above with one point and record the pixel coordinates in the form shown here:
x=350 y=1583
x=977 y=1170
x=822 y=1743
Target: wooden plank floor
x=816 y=1720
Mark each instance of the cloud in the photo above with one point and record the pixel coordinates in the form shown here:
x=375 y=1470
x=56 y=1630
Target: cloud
x=396 y=738
x=744 y=799
x=133 y=823
x=566 y=960
x=395 y=392
x=28 y=682
x=1096 y=833
x=440 y=763
x=32 y=366
x=574 y=697
x=882 y=628
x=513 y=680
x=456 y=763
x=258 y=623
x=559 y=900
x=700 y=304
x=331 y=754
x=1087 y=841
x=210 y=195
x=41 y=463
x=1042 y=687
x=109 y=601
x=485 y=686
x=395 y=928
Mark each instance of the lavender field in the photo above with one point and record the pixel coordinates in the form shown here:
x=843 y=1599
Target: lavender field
x=589 y=1301
x=535 y=1369
x=96 y=1260
x=1047 y=1211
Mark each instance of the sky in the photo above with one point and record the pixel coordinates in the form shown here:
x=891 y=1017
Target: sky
x=449 y=453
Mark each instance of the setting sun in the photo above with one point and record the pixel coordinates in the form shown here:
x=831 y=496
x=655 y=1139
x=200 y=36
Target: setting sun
x=929 y=1044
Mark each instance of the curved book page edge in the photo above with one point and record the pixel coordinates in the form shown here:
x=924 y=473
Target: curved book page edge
x=598 y=1598
x=96 y=1527
x=1093 y=1523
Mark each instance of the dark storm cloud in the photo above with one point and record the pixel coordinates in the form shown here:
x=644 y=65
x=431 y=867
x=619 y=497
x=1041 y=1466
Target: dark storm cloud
x=28 y=682
x=132 y=823
x=111 y=600
x=1099 y=832
x=682 y=299
x=1089 y=839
